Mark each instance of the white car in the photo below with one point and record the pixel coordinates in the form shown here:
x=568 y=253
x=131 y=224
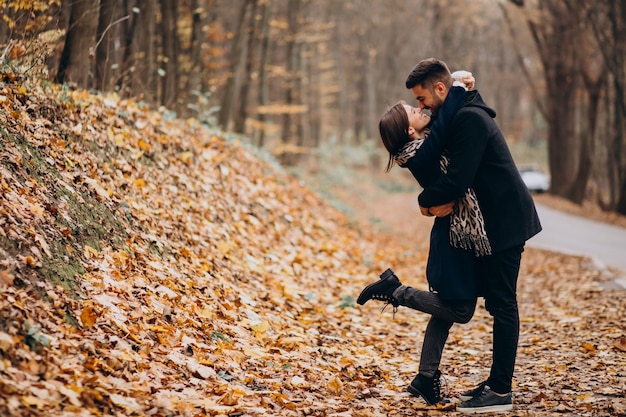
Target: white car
x=535 y=180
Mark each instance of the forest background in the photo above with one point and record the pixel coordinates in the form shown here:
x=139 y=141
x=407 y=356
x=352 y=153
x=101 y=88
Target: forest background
x=307 y=80
x=163 y=263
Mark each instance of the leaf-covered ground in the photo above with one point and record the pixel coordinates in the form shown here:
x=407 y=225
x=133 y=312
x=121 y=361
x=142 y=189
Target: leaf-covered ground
x=151 y=267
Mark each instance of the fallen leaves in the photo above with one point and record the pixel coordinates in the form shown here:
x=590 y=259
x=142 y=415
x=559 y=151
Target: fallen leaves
x=620 y=344
x=212 y=283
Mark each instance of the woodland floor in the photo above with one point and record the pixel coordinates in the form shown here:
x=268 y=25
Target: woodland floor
x=570 y=323
x=150 y=266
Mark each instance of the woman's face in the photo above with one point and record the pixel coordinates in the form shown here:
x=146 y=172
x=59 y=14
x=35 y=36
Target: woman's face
x=417 y=119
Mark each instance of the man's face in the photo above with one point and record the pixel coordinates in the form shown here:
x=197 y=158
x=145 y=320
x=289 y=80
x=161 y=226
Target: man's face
x=430 y=99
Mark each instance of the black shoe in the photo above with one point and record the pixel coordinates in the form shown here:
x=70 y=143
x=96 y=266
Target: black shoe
x=487 y=401
x=427 y=388
x=381 y=290
x=468 y=395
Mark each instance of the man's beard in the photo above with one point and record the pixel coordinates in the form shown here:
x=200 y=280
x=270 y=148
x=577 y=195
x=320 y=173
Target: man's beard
x=437 y=103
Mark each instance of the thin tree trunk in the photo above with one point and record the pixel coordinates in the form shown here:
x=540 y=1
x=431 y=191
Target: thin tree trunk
x=246 y=78
x=263 y=93
x=169 y=39
x=105 y=54
x=140 y=57
x=75 y=64
x=370 y=79
x=198 y=32
x=555 y=41
x=587 y=148
x=236 y=61
x=291 y=50
x=342 y=73
x=314 y=93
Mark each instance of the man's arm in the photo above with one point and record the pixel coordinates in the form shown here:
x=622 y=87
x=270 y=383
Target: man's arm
x=468 y=140
x=431 y=149
x=438 y=211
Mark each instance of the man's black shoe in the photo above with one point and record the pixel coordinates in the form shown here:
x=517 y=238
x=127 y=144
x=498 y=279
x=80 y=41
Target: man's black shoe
x=468 y=395
x=487 y=401
x=427 y=388
x=381 y=290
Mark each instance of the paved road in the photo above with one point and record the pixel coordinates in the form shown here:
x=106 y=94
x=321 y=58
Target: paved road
x=566 y=233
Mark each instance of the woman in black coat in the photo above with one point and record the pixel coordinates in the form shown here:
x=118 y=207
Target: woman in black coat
x=450 y=270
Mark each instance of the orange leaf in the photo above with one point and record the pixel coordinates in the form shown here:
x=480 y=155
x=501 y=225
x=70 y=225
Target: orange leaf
x=588 y=347
x=89 y=315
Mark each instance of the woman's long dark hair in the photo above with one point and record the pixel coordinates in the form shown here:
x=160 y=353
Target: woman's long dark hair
x=394 y=130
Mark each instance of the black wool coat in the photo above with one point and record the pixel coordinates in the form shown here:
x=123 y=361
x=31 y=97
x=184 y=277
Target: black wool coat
x=480 y=158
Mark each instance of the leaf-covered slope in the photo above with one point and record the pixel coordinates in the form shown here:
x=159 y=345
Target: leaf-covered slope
x=151 y=267
x=156 y=266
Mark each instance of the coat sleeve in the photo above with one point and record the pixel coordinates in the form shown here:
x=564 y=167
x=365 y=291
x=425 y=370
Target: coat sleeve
x=430 y=151
x=469 y=135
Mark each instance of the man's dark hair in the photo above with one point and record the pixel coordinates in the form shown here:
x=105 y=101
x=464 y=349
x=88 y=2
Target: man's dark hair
x=427 y=72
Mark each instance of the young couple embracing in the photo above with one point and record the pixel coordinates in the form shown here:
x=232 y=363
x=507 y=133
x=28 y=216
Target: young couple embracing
x=483 y=216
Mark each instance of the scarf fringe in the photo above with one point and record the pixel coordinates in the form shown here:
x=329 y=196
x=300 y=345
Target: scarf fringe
x=467 y=225
x=480 y=244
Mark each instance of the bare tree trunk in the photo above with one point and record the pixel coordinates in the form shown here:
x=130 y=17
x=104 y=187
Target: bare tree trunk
x=291 y=57
x=555 y=38
x=75 y=64
x=360 y=106
x=133 y=56
x=315 y=97
x=342 y=75
x=171 y=48
x=236 y=62
x=370 y=82
x=263 y=95
x=587 y=148
x=246 y=78
x=7 y=14
x=297 y=98
x=290 y=50
x=139 y=64
x=198 y=33
x=106 y=55
x=608 y=20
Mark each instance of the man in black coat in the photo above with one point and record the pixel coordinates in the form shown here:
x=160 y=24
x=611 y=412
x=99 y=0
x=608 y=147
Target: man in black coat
x=480 y=158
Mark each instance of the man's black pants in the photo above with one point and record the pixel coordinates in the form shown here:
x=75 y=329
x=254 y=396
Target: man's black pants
x=497 y=281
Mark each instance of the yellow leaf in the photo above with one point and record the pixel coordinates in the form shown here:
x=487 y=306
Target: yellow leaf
x=225 y=246
x=143 y=145
x=206 y=313
x=335 y=385
x=89 y=315
x=186 y=157
x=31 y=400
x=89 y=252
x=36 y=209
x=119 y=140
x=254 y=352
x=261 y=327
x=139 y=182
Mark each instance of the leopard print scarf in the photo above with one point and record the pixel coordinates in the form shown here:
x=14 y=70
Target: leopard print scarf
x=467 y=224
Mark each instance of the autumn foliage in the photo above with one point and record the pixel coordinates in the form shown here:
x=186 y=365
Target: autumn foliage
x=150 y=266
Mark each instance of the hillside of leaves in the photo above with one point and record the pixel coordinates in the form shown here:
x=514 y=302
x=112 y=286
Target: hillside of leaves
x=150 y=266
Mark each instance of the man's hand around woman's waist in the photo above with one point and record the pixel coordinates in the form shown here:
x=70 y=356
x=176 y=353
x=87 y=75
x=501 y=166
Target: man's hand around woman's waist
x=438 y=211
